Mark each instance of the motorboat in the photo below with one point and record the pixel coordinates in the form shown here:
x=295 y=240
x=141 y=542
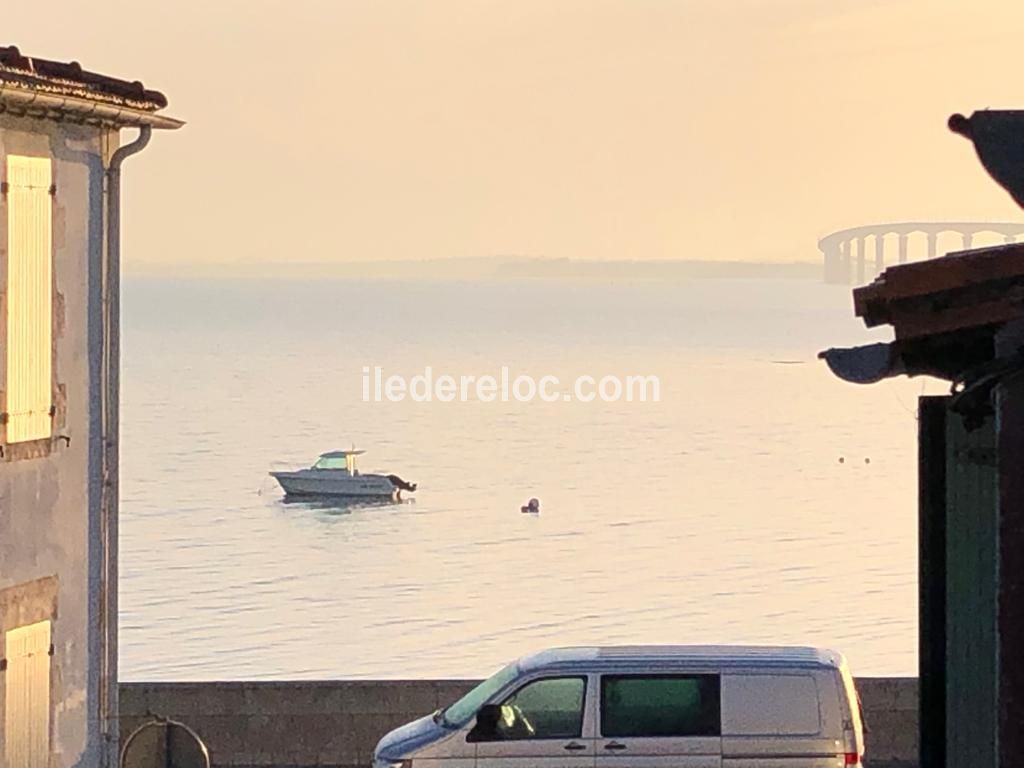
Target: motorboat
x=335 y=474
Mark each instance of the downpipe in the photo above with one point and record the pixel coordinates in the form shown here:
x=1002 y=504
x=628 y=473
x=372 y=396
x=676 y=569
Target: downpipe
x=109 y=407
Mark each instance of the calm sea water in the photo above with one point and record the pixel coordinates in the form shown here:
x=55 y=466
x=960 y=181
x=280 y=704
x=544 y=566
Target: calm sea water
x=761 y=500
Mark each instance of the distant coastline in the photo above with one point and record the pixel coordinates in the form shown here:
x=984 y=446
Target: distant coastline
x=489 y=268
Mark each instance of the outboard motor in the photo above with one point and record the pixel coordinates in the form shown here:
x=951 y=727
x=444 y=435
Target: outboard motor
x=401 y=484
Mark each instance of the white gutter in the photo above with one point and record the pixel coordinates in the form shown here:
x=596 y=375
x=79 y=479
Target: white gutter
x=109 y=406
x=34 y=103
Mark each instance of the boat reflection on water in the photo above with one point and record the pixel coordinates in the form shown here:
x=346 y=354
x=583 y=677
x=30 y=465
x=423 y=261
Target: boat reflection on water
x=340 y=505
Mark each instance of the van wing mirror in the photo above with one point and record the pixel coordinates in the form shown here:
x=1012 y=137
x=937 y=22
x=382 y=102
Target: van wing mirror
x=487 y=719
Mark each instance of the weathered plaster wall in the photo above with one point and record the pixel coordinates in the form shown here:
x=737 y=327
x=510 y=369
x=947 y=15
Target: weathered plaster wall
x=49 y=503
x=336 y=724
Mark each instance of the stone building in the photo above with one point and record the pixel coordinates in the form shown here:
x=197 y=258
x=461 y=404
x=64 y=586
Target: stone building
x=60 y=165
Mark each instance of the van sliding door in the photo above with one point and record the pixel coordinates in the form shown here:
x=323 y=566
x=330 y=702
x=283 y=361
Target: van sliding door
x=659 y=721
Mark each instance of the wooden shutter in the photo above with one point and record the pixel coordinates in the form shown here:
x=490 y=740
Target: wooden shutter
x=27 y=696
x=29 y=298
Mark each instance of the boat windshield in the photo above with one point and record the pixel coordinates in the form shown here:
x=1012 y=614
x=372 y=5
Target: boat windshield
x=331 y=462
x=463 y=710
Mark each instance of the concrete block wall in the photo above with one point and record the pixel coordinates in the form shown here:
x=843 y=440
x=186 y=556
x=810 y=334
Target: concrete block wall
x=288 y=724
x=891 y=713
x=336 y=724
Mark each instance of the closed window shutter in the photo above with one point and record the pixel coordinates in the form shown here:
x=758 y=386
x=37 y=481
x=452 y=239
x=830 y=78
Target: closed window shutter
x=27 y=696
x=29 y=298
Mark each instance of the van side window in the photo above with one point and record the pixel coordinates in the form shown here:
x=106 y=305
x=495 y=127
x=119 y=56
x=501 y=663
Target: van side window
x=544 y=709
x=660 y=706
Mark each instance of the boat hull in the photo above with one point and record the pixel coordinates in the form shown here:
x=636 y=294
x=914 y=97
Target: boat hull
x=328 y=483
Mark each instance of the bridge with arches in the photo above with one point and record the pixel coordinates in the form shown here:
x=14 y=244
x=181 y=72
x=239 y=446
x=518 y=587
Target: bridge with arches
x=846 y=252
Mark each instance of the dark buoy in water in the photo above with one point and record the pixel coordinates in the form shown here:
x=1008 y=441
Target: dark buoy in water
x=532 y=506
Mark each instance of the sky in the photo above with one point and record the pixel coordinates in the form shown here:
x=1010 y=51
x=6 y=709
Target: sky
x=353 y=130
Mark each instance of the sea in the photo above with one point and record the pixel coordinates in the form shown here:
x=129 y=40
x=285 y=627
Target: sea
x=754 y=498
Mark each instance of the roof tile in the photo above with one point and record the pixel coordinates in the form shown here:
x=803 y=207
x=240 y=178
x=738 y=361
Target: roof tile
x=68 y=78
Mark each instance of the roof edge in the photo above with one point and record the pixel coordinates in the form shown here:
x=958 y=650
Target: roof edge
x=31 y=103
x=658 y=654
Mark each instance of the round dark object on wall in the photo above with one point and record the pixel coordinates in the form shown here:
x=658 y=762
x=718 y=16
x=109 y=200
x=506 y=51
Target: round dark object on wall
x=162 y=743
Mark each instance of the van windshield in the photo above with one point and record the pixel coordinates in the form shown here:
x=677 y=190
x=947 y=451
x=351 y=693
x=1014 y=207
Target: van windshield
x=463 y=710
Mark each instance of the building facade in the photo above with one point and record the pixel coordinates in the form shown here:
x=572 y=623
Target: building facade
x=60 y=164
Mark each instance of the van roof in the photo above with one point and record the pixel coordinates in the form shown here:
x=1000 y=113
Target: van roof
x=668 y=655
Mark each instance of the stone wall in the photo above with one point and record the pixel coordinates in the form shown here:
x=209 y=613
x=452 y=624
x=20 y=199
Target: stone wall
x=333 y=724
x=890 y=712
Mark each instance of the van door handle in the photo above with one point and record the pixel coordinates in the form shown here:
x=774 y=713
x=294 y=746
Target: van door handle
x=614 y=745
x=573 y=746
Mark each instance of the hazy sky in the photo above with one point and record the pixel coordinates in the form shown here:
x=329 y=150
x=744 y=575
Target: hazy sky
x=332 y=130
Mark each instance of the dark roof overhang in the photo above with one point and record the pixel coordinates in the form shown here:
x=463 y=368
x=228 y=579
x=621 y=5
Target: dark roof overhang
x=946 y=315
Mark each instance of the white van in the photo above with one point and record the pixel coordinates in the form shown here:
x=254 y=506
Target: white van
x=645 y=707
